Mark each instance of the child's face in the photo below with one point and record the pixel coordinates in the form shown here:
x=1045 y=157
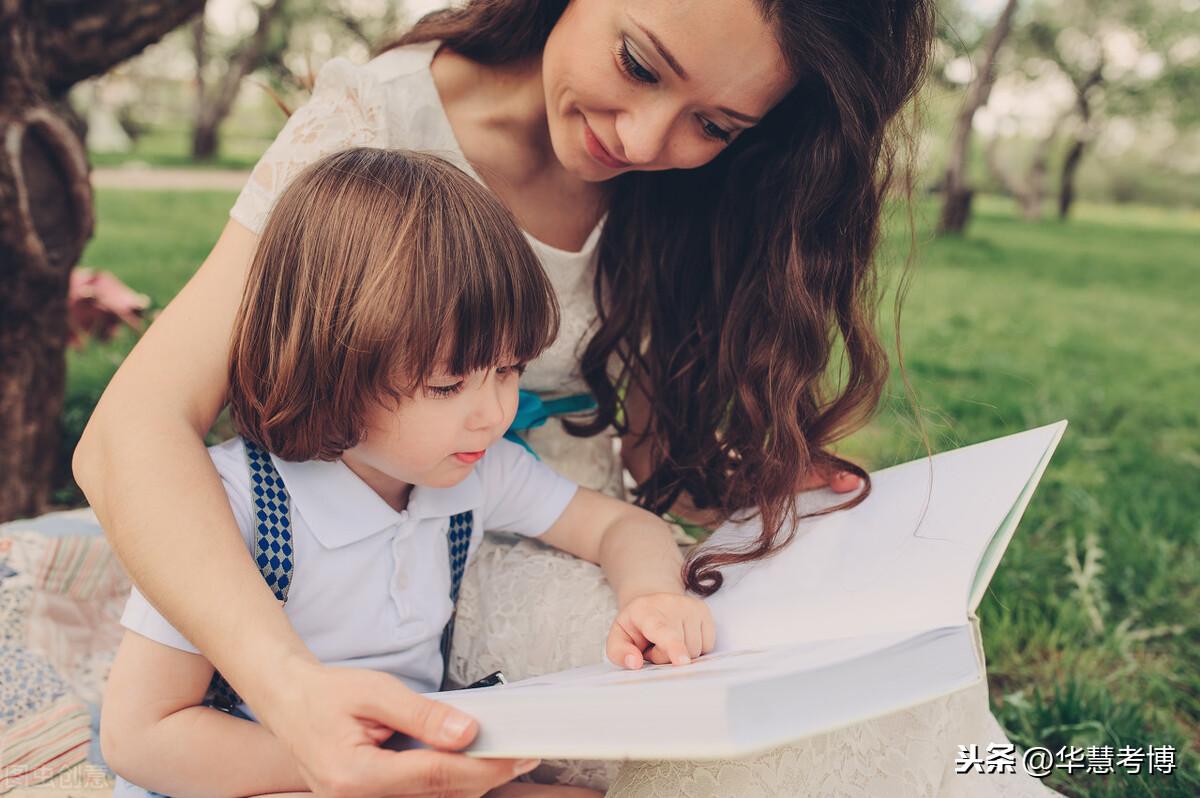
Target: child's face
x=434 y=437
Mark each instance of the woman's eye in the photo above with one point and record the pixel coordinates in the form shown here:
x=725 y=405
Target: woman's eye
x=632 y=67
x=715 y=132
x=443 y=390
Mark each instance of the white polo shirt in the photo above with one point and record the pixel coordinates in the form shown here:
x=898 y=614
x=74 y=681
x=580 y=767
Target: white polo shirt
x=371 y=586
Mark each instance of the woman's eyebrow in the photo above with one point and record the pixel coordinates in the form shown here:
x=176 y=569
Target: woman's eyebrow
x=663 y=51
x=678 y=69
x=754 y=120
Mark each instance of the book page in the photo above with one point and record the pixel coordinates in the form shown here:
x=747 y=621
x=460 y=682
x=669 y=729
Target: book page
x=905 y=559
x=720 y=705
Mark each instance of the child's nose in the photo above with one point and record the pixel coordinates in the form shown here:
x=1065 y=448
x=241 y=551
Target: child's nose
x=489 y=410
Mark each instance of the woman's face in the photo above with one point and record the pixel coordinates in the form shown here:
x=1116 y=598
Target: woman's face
x=656 y=84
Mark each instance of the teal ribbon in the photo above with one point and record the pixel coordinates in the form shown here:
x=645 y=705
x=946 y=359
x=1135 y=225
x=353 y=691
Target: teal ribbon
x=532 y=411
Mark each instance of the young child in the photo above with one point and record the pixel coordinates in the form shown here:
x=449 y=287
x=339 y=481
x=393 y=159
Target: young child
x=389 y=310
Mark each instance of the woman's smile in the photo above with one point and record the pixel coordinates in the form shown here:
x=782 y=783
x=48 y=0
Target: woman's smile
x=598 y=151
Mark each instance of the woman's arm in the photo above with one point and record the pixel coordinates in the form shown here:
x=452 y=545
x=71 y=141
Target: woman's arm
x=143 y=466
x=154 y=732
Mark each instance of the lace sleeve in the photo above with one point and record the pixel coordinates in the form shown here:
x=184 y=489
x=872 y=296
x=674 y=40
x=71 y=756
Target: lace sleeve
x=346 y=110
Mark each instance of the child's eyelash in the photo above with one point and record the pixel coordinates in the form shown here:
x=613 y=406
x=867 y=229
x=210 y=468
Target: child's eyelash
x=450 y=390
x=444 y=390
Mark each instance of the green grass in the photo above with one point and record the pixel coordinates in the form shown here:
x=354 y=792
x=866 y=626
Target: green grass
x=1016 y=325
x=153 y=241
x=1090 y=623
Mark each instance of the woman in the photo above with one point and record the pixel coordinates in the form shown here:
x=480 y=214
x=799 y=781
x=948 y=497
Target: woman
x=703 y=183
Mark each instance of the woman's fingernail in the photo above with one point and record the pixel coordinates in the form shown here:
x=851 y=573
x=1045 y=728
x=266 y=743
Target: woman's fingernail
x=631 y=661
x=525 y=765
x=454 y=726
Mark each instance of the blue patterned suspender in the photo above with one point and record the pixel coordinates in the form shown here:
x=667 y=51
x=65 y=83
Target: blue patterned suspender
x=458 y=540
x=272 y=547
x=273 y=554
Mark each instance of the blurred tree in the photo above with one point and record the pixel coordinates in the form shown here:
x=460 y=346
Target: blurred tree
x=956 y=206
x=1028 y=188
x=281 y=46
x=46 y=213
x=215 y=97
x=1122 y=58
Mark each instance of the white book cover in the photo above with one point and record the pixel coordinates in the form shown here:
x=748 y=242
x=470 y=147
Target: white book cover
x=867 y=611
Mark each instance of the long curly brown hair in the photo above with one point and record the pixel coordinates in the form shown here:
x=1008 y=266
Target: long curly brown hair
x=724 y=291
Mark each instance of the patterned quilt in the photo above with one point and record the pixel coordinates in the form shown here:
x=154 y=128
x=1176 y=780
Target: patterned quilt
x=62 y=592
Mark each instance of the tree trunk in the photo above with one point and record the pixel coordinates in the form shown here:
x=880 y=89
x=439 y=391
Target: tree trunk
x=957 y=207
x=204 y=141
x=1083 y=134
x=46 y=214
x=1066 y=183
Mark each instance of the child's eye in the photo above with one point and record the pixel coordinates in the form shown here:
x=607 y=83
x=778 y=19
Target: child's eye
x=443 y=390
x=633 y=68
x=515 y=368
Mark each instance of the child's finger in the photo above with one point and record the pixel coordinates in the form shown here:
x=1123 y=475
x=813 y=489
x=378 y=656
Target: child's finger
x=625 y=655
x=624 y=646
x=669 y=637
x=657 y=656
x=708 y=633
x=693 y=637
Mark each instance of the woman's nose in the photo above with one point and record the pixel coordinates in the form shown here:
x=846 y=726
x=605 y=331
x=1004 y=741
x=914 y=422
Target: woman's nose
x=644 y=131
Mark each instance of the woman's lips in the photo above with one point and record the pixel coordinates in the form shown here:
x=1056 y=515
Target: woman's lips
x=597 y=150
x=468 y=457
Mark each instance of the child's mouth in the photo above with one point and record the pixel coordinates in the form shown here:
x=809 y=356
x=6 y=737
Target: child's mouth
x=468 y=457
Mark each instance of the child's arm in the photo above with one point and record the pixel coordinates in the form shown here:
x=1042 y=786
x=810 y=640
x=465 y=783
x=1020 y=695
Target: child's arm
x=642 y=563
x=154 y=732
x=521 y=789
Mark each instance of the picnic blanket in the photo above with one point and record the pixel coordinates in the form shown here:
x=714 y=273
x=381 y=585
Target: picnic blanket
x=62 y=591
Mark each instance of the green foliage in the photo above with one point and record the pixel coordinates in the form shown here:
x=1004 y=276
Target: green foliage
x=1090 y=623
x=153 y=241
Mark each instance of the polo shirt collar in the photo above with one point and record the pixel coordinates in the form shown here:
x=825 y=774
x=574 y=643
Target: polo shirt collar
x=341 y=509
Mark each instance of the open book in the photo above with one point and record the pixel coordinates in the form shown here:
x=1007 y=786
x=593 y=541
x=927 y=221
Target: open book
x=868 y=611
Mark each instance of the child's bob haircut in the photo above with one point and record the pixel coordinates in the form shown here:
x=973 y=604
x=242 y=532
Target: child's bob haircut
x=376 y=267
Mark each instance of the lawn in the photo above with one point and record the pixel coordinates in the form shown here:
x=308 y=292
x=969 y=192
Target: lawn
x=1090 y=624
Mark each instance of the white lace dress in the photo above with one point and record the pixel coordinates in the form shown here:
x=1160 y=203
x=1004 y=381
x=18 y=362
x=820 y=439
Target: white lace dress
x=527 y=609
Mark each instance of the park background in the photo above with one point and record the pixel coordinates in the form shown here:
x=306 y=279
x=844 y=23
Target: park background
x=1053 y=274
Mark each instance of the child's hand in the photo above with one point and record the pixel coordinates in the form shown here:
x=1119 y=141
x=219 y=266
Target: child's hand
x=661 y=627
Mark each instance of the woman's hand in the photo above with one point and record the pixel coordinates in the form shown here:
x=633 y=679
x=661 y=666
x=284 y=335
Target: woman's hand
x=334 y=719
x=661 y=627
x=837 y=481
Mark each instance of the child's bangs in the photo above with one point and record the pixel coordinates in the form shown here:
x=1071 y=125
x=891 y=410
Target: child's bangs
x=499 y=322
x=496 y=305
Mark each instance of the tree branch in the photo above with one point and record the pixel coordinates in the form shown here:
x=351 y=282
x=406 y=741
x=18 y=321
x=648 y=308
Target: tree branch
x=81 y=38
